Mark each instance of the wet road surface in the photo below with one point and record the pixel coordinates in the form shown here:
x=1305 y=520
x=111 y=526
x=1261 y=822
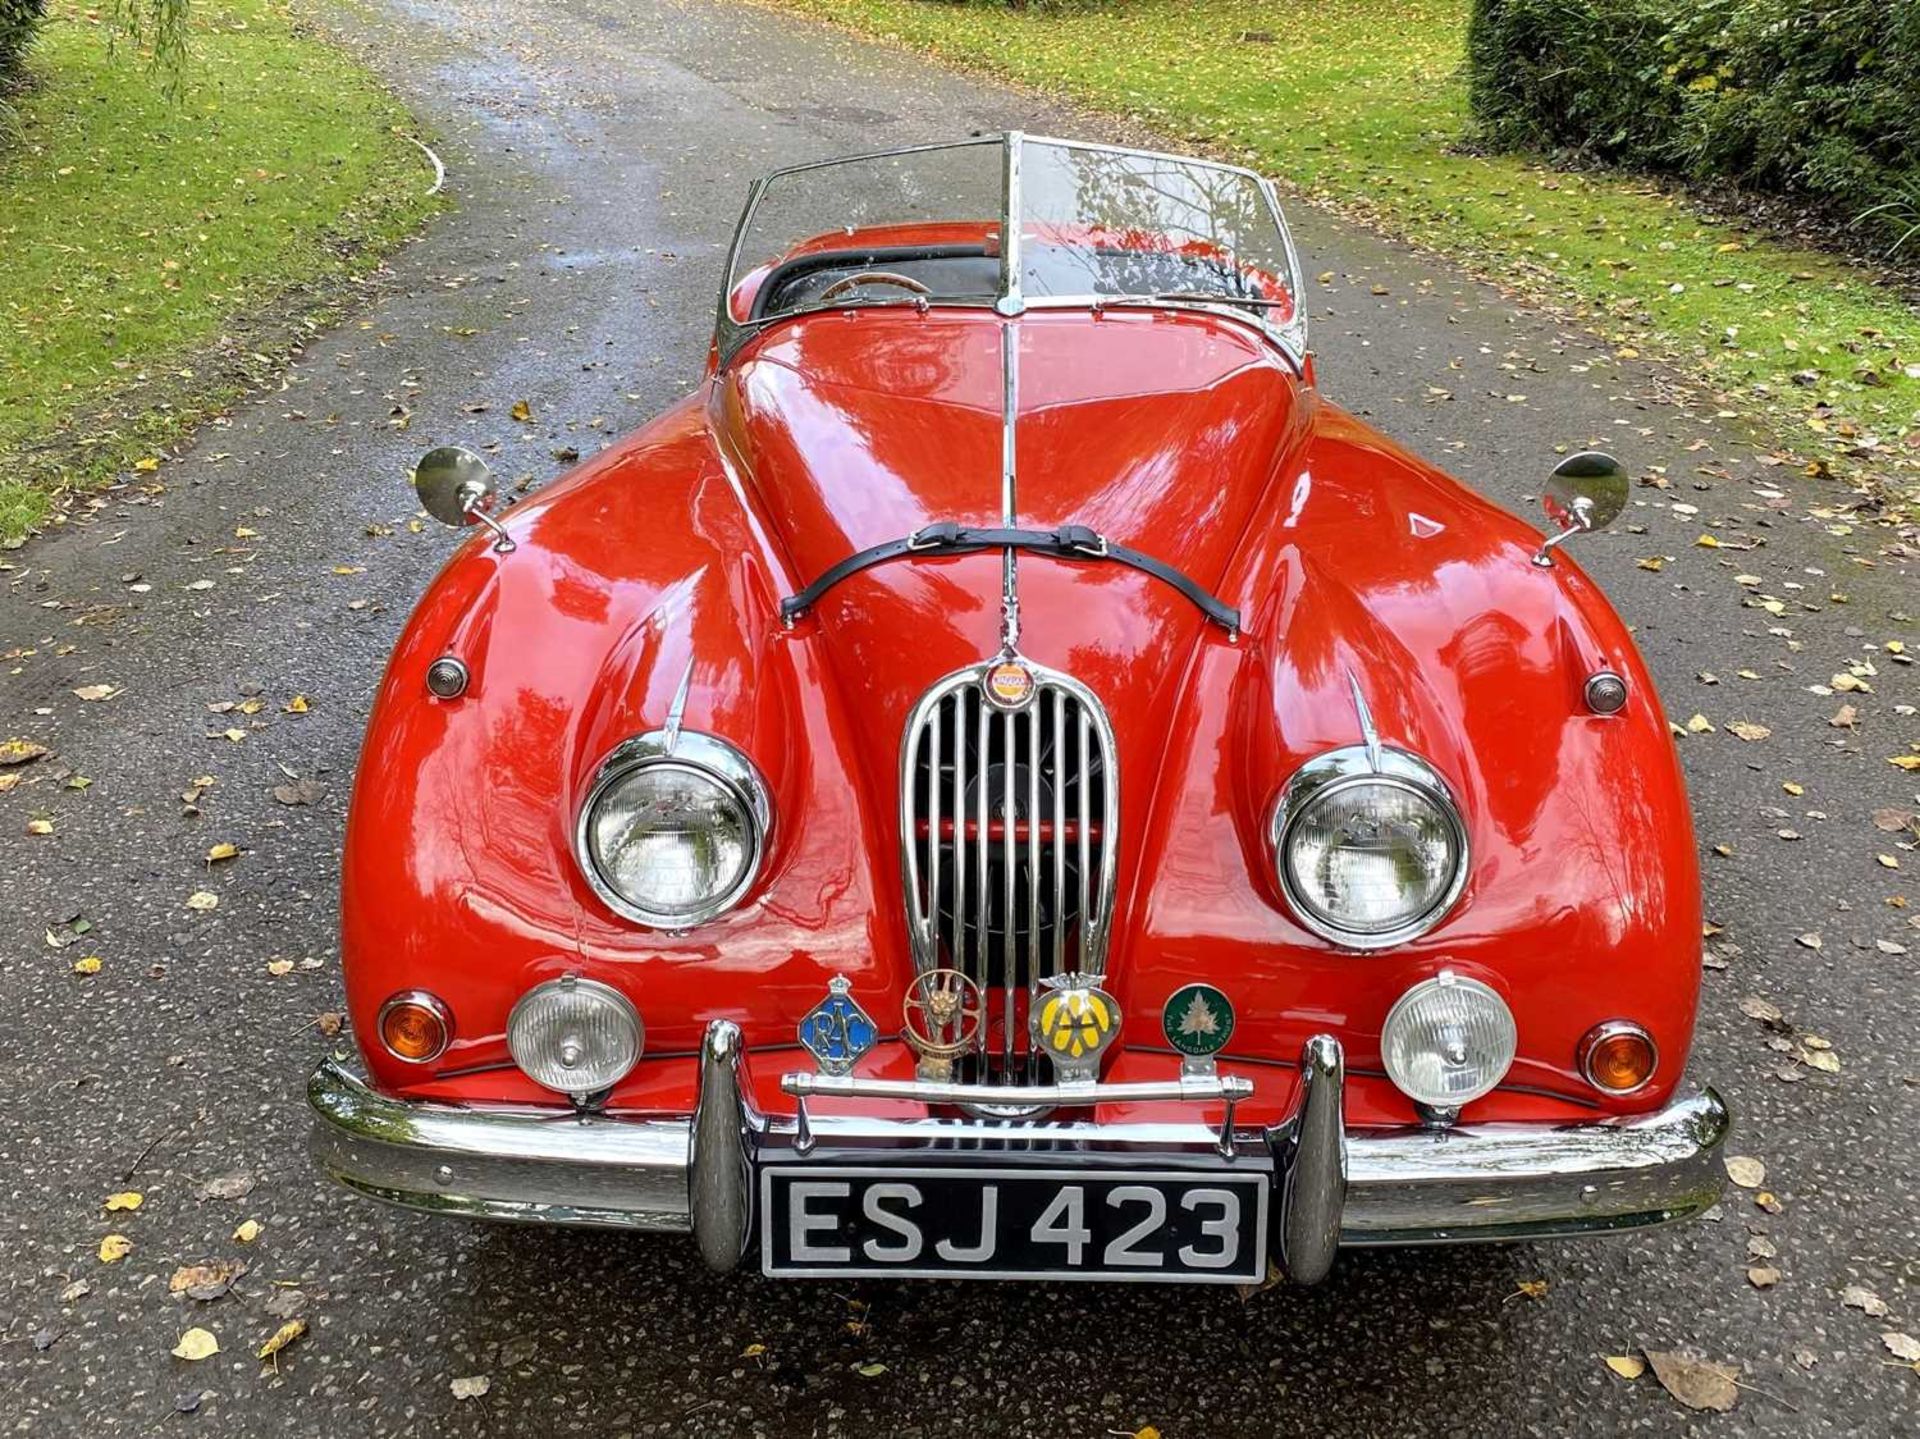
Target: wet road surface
x=598 y=154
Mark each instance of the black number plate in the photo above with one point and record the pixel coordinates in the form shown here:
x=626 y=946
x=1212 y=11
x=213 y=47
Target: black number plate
x=1179 y=1226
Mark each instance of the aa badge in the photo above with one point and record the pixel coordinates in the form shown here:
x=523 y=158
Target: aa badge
x=1074 y=1023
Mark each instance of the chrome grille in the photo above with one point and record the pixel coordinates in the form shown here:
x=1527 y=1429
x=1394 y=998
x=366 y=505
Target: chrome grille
x=1009 y=823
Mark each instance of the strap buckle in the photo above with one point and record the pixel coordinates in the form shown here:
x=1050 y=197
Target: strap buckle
x=933 y=537
x=1080 y=540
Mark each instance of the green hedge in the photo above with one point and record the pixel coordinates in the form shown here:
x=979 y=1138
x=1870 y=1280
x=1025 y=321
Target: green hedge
x=18 y=20
x=1818 y=99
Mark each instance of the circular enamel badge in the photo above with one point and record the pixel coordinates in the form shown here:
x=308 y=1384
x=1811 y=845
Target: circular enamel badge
x=1198 y=1020
x=1009 y=684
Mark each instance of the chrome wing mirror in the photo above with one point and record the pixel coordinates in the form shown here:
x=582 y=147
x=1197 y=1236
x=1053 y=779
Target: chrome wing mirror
x=456 y=487
x=1585 y=492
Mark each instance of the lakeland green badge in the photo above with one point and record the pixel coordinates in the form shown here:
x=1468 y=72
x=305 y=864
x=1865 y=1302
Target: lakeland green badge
x=1198 y=1020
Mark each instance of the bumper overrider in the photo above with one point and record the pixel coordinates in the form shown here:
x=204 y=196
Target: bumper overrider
x=1325 y=1185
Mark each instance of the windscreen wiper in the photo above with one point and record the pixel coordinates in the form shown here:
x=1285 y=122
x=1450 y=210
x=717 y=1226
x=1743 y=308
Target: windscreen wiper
x=1069 y=542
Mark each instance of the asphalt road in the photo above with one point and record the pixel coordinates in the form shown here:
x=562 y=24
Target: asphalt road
x=598 y=153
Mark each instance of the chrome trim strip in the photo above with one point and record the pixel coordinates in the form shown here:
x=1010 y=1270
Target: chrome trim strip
x=1369 y=736
x=1011 y=301
x=677 y=709
x=1194 y=1088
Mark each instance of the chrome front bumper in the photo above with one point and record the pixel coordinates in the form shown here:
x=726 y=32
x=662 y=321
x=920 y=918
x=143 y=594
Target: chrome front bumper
x=1334 y=1186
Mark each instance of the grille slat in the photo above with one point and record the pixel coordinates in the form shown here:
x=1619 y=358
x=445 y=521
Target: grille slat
x=1017 y=885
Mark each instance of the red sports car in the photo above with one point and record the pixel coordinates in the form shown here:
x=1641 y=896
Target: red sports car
x=1006 y=780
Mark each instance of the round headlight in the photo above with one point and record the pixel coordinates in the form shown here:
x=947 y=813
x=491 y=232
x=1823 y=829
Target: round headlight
x=673 y=829
x=1369 y=856
x=574 y=1035
x=1447 y=1041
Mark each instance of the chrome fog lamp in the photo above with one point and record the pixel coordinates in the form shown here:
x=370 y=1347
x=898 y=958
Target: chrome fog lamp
x=576 y=1036
x=1369 y=846
x=673 y=829
x=1447 y=1041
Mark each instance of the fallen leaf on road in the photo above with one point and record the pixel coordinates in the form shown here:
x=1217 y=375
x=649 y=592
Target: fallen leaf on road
x=126 y=1199
x=1902 y=1346
x=1764 y=1010
x=474 y=1386
x=221 y=851
x=1907 y=762
x=237 y=1185
x=1763 y=1276
x=1700 y=724
x=20 y=751
x=248 y=1231
x=1893 y=820
x=1627 y=1366
x=114 y=1248
x=203 y=900
x=871 y=1371
x=298 y=705
x=196 y=1344
x=1695 y=1382
x=522 y=411
x=1858 y=1296
x=278 y=967
x=1809 y=940
x=96 y=692
x=40 y=826
x=1742 y=729
x=282 y=1337
x=303 y=791
x=90 y=965
x=1846 y=717
x=206 y=1281
x=1745 y=1171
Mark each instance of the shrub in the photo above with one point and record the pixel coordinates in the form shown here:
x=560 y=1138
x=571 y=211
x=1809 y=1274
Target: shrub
x=18 y=20
x=1818 y=99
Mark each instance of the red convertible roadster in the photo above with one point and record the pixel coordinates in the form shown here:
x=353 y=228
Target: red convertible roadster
x=1006 y=780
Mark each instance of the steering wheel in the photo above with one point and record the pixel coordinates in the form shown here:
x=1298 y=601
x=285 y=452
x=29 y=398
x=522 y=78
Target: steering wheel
x=873 y=277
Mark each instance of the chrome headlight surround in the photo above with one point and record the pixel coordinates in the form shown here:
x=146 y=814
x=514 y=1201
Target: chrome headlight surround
x=712 y=759
x=1353 y=767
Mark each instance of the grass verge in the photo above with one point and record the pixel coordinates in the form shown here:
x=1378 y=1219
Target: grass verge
x=1361 y=104
x=157 y=258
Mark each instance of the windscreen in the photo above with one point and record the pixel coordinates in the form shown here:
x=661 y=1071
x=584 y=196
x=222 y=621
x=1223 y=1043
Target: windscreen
x=928 y=221
x=928 y=226
x=1098 y=222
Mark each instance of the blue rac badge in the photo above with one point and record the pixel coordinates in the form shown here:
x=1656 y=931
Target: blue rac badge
x=838 y=1031
x=1074 y=1023
x=1198 y=1021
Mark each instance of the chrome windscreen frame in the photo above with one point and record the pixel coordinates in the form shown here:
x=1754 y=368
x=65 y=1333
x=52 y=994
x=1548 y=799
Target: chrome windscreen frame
x=1289 y=339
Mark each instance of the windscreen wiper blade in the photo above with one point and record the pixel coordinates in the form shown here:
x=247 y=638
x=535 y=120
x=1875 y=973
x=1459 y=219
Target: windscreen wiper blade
x=1069 y=542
